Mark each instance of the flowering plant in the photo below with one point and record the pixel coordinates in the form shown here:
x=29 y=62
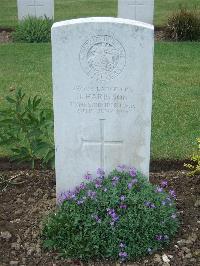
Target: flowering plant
x=118 y=217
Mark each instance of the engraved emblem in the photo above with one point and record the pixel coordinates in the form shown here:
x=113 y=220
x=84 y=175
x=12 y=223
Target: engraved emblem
x=102 y=57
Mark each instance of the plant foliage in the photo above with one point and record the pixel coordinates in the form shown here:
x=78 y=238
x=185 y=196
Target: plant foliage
x=184 y=25
x=194 y=166
x=33 y=30
x=27 y=129
x=119 y=217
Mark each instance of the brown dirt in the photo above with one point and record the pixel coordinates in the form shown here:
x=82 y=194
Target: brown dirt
x=155 y=165
x=28 y=196
x=5 y=37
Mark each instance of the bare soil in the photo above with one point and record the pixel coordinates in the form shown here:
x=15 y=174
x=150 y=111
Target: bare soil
x=5 y=36
x=28 y=196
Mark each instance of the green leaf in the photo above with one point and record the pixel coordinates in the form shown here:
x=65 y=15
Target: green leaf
x=10 y=100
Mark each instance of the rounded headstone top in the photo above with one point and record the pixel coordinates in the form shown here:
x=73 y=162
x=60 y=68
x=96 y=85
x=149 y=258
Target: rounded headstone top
x=103 y=20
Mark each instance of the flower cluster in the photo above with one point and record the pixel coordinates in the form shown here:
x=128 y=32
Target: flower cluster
x=122 y=254
x=91 y=194
x=162 y=237
x=113 y=215
x=149 y=204
x=132 y=183
x=100 y=173
x=115 y=180
x=112 y=200
x=88 y=176
x=121 y=168
x=132 y=171
x=96 y=217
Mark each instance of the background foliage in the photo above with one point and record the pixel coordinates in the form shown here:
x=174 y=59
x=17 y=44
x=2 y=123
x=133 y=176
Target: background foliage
x=33 y=30
x=27 y=129
x=184 y=25
x=66 y=9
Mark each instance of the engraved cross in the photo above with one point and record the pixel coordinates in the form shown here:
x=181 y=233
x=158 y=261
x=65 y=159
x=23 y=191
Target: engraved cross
x=135 y=3
x=102 y=142
x=36 y=5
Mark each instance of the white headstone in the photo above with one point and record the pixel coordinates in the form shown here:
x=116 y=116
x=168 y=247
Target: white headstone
x=141 y=10
x=35 y=8
x=102 y=94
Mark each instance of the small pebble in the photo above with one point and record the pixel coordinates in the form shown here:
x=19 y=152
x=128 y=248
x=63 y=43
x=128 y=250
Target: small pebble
x=14 y=262
x=188 y=256
x=15 y=246
x=186 y=250
x=157 y=258
x=165 y=258
x=197 y=203
x=6 y=235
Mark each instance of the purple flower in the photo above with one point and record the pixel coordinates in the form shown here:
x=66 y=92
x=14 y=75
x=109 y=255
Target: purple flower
x=100 y=173
x=172 y=193
x=62 y=197
x=122 y=198
x=149 y=204
x=122 y=245
x=159 y=237
x=130 y=185
x=123 y=254
x=91 y=194
x=123 y=206
x=79 y=202
x=173 y=216
x=114 y=183
x=68 y=195
x=97 y=218
x=112 y=214
x=159 y=189
x=98 y=183
x=88 y=176
x=115 y=178
x=132 y=171
x=110 y=211
x=73 y=196
x=121 y=168
x=82 y=186
x=134 y=181
x=164 y=183
x=164 y=202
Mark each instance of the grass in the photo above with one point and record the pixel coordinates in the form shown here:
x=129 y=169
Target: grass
x=176 y=108
x=67 y=9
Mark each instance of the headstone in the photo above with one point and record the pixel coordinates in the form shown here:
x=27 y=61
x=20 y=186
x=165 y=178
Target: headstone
x=141 y=10
x=102 y=94
x=35 y=8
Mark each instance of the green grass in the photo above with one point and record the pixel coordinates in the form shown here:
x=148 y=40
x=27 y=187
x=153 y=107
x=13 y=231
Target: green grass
x=66 y=9
x=176 y=108
x=176 y=99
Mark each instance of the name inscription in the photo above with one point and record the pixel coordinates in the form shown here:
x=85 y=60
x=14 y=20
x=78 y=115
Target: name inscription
x=96 y=100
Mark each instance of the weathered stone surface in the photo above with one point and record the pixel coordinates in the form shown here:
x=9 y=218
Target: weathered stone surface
x=141 y=10
x=35 y=8
x=102 y=79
